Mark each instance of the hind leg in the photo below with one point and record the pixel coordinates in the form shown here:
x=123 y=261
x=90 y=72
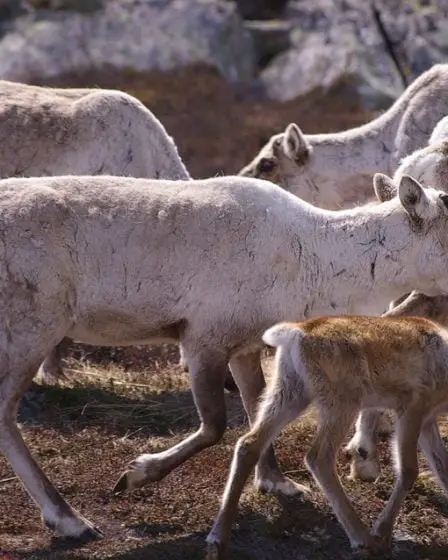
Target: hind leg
x=278 y=409
x=408 y=428
x=207 y=372
x=435 y=451
x=321 y=459
x=246 y=369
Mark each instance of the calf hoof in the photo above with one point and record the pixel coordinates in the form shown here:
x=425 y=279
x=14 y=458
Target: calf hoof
x=375 y=547
x=366 y=470
x=382 y=534
x=216 y=550
x=278 y=483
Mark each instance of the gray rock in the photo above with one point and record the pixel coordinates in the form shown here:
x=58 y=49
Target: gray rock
x=342 y=42
x=270 y=38
x=131 y=35
x=331 y=48
x=417 y=32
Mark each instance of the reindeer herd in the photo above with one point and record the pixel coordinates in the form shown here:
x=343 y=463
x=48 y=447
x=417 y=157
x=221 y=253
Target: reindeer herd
x=105 y=239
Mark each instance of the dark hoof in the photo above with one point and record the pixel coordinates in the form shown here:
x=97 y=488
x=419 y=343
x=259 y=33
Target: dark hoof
x=230 y=385
x=88 y=535
x=121 y=485
x=215 y=552
x=91 y=534
x=377 y=547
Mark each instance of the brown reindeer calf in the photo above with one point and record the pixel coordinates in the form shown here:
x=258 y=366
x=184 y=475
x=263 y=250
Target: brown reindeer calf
x=343 y=365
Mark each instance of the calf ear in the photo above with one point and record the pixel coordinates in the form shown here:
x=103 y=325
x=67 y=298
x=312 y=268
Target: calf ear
x=384 y=187
x=413 y=198
x=295 y=144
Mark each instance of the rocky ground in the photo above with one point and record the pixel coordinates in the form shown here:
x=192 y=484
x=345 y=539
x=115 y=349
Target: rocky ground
x=121 y=403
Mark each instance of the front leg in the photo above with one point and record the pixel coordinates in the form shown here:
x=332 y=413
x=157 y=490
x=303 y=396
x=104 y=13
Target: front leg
x=435 y=452
x=362 y=447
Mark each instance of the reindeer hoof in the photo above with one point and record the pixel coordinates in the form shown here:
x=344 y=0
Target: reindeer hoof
x=121 y=485
x=135 y=477
x=375 y=547
x=91 y=534
x=282 y=485
x=215 y=551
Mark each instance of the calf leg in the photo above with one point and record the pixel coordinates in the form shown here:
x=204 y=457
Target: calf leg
x=207 y=372
x=278 y=409
x=407 y=434
x=435 y=452
x=246 y=369
x=320 y=460
x=362 y=447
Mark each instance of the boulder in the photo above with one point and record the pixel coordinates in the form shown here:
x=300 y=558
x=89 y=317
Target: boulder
x=375 y=48
x=418 y=33
x=270 y=38
x=331 y=47
x=129 y=35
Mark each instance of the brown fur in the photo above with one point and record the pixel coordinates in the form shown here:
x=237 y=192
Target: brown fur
x=345 y=364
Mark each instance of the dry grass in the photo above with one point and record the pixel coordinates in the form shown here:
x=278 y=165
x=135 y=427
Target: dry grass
x=102 y=417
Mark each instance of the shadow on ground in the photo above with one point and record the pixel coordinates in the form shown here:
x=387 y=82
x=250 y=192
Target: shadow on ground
x=72 y=408
x=300 y=532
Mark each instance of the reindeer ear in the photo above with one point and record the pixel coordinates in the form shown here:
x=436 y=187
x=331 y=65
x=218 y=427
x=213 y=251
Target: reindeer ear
x=413 y=198
x=384 y=187
x=295 y=144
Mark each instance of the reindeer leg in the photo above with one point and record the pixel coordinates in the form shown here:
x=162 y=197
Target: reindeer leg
x=207 y=372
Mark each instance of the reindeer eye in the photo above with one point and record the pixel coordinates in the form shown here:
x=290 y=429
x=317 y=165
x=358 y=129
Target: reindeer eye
x=444 y=198
x=266 y=165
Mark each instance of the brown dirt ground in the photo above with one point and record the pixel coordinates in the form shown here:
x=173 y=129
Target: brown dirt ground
x=107 y=414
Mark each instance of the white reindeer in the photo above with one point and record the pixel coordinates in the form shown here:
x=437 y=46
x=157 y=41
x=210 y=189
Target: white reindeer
x=209 y=264
x=345 y=364
x=429 y=165
x=335 y=170
x=48 y=131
